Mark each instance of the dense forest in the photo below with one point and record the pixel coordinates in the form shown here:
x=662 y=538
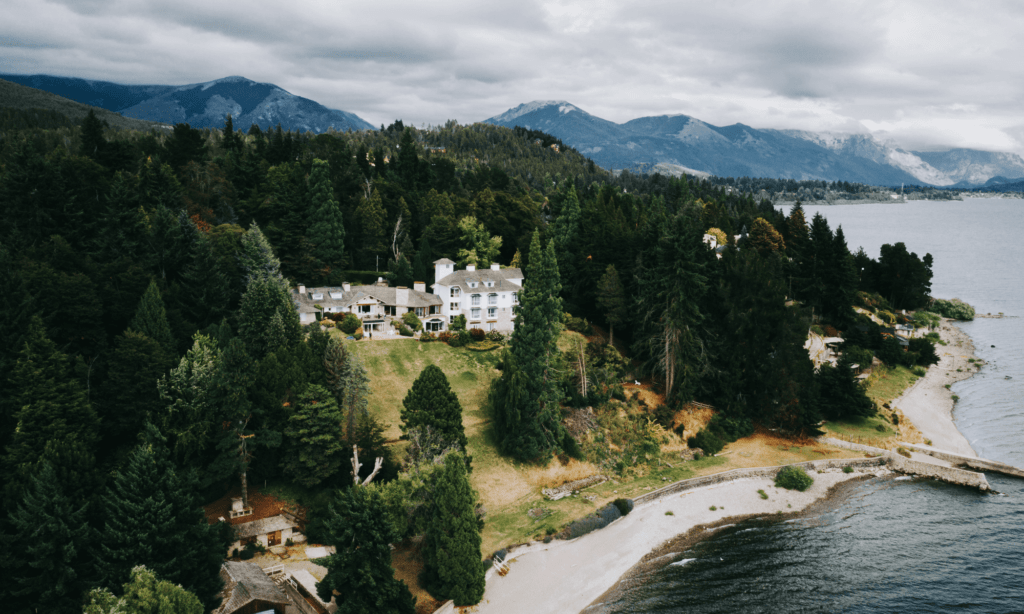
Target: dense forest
x=153 y=357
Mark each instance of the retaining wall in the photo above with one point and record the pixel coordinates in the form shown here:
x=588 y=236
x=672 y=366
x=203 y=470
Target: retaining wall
x=968 y=461
x=953 y=475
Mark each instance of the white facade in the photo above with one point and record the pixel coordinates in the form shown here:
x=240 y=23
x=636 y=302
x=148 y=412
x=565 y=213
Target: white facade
x=486 y=297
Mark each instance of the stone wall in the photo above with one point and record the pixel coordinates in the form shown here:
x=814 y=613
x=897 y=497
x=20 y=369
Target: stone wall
x=967 y=461
x=902 y=464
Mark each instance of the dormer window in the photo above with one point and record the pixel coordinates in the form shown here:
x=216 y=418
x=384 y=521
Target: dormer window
x=472 y=284
x=489 y=284
x=455 y=292
x=336 y=296
x=318 y=296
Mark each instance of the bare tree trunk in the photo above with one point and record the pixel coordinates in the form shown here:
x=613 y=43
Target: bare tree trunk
x=377 y=465
x=245 y=491
x=611 y=334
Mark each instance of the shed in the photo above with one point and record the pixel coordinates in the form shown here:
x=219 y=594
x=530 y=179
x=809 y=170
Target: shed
x=248 y=590
x=272 y=531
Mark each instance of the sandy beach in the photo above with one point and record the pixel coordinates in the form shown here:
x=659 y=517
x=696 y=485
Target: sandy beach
x=565 y=577
x=929 y=404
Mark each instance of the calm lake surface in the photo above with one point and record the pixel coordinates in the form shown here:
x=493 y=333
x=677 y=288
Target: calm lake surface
x=894 y=545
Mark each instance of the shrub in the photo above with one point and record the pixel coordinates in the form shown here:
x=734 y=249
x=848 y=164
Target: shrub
x=817 y=330
x=625 y=506
x=459 y=323
x=761 y=493
x=495 y=336
x=872 y=301
x=427 y=337
x=579 y=325
x=927 y=319
x=713 y=508
x=409 y=319
x=444 y=336
x=350 y=324
x=903 y=451
x=618 y=392
x=664 y=415
x=327 y=323
x=478 y=334
x=920 y=371
x=831 y=331
x=953 y=308
x=459 y=338
x=847 y=469
x=858 y=355
x=358 y=334
x=669 y=513
x=705 y=440
x=605 y=516
x=793 y=478
x=482 y=346
x=925 y=349
x=405 y=331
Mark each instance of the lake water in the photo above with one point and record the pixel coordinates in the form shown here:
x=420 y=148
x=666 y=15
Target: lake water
x=894 y=545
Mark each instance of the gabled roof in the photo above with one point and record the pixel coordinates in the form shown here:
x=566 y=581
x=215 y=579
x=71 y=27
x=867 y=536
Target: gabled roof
x=501 y=279
x=443 y=261
x=245 y=583
x=264 y=526
x=386 y=295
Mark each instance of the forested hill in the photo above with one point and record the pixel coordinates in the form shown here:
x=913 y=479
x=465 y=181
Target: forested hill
x=153 y=357
x=16 y=98
x=202 y=105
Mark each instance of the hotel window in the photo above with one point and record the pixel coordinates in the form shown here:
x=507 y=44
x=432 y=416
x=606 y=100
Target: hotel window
x=492 y=312
x=455 y=292
x=515 y=298
x=476 y=299
x=492 y=299
x=475 y=314
x=491 y=325
x=451 y=319
x=365 y=308
x=453 y=306
x=419 y=311
x=390 y=310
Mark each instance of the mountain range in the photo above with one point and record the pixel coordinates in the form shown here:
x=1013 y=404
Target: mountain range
x=201 y=105
x=679 y=143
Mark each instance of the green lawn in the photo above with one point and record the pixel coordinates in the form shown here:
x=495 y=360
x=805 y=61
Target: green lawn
x=865 y=429
x=886 y=383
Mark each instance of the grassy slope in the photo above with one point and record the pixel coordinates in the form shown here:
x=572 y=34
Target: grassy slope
x=884 y=385
x=509 y=490
x=21 y=97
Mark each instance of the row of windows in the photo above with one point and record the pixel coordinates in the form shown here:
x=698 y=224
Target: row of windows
x=492 y=299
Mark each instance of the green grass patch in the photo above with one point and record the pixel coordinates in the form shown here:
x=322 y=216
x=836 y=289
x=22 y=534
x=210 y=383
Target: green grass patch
x=875 y=427
x=761 y=493
x=887 y=383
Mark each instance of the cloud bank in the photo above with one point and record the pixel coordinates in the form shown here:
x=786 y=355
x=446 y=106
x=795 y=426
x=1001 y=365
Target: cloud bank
x=926 y=74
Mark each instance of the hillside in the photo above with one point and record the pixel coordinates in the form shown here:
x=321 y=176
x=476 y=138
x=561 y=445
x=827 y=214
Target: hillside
x=203 y=105
x=15 y=96
x=672 y=141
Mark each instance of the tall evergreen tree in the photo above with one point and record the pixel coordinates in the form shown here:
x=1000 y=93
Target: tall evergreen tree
x=816 y=266
x=151 y=319
x=524 y=398
x=842 y=283
x=256 y=258
x=238 y=436
x=230 y=139
x=611 y=298
x=431 y=402
x=355 y=385
x=264 y=300
x=53 y=539
x=567 y=237
x=205 y=295
x=452 y=567
x=51 y=404
x=327 y=232
x=129 y=396
x=189 y=414
x=422 y=264
x=841 y=395
x=371 y=220
x=153 y=518
x=360 y=571
x=315 y=434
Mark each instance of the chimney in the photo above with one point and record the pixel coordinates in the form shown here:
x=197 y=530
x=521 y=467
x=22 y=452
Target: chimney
x=345 y=286
x=302 y=288
x=495 y=266
x=236 y=504
x=470 y=267
x=402 y=296
x=419 y=286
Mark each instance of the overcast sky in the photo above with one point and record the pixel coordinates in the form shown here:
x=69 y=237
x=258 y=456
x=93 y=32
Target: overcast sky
x=926 y=74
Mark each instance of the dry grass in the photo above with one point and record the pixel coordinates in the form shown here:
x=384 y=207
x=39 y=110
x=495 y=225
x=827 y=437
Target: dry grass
x=766 y=449
x=555 y=473
x=407 y=563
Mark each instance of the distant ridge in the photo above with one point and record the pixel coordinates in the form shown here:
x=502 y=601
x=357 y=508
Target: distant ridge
x=16 y=96
x=672 y=143
x=202 y=105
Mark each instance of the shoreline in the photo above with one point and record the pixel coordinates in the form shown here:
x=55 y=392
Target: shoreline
x=566 y=576
x=929 y=405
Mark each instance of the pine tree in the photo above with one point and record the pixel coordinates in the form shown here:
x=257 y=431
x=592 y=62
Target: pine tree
x=764 y=238
x=151 y=319
x=356 y=387
x=129 y=394
x=256 y=258
x=525 y=398
x=452 y=567
x=335 y=358
x=841 y=395
x=611 y=298
x=267 y=318
x=360 y=570
x=153 y=518
x=53 y=539
x=230 y=140
x=423 y=262
x=432 y=403
x=479 y=247
x=238 y=435
x=93 y=142
x=817 y=263
x=144 y=594
x=842 y=282
x=187 y=391
x=51 y=406
x=371 y=220
x=314 y=432
x=327 y=232
x=205 y=286
x=566 y=235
